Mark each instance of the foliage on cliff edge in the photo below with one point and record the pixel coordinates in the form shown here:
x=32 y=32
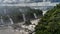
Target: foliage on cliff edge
x=50 y=22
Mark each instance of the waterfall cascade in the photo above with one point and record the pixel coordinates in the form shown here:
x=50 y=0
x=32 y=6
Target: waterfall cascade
x=35 y=15
x=3 y=23
x=11 y=21
x=2 y=20
x=44 y=0
x=24 y=17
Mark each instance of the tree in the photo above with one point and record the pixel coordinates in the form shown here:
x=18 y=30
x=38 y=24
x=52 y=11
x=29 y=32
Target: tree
x=50 y=22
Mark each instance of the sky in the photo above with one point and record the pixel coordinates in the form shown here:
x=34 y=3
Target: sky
x=10 y=1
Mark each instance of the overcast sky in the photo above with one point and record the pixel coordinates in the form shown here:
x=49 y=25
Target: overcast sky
x=11 y=0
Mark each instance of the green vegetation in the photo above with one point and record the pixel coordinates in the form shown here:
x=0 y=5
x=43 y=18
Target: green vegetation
x=50 y=22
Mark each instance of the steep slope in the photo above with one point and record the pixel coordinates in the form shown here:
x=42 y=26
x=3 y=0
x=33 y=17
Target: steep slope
x=16 y=13
x=50 y=22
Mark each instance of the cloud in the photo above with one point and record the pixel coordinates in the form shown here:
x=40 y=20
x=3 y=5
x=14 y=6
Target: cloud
x=12 y=0
x=8 y=1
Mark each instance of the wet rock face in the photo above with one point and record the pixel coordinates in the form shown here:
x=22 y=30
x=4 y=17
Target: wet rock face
x=18 y=14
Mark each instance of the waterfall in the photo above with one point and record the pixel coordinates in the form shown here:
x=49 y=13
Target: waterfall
x=2 y=20
x=10 y=20
x=24 y=17
x=35 y=15
x=8 y=16
x=5 y=11
x=44 y=0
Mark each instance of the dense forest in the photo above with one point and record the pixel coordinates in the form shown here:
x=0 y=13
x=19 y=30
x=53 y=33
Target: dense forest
x=50 y=22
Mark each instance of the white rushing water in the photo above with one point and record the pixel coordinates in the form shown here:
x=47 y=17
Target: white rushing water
x=24 y=17
x=11 y=21
x=35 y=15
x=2 y=20
x=5 y=11
x=44 y=12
